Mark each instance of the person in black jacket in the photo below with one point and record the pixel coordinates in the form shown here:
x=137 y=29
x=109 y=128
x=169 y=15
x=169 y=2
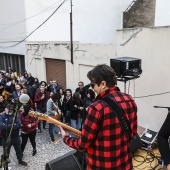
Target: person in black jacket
x=66 y=105
x=55 y=87
x=3 y=104
x=1 y=88
x=163 y=143
x=6 y=125
x=81 y=90
x=75 y=111
x=88 y=100
x=30 y=79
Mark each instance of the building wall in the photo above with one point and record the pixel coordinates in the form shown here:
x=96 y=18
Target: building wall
x=140 y=14
x=152 y=46
x=86 y=56
x=93 y=22
x=12 y=27
x=162 y=13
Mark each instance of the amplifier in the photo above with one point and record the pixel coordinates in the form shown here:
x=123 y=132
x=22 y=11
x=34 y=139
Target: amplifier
x=126 y=66
x=65 y=162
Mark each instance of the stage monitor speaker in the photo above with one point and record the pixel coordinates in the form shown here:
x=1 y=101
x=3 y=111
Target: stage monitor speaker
x=65 y=162
x=126 y=66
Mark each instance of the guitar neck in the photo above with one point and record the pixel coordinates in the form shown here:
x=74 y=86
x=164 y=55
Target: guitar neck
x=56 y=122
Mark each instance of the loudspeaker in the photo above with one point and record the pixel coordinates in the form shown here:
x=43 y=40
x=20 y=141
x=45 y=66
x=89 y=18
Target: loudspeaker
x=65 y=162
x=126 y=66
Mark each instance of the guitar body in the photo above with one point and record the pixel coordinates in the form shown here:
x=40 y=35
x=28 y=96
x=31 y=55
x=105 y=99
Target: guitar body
x=57 y=116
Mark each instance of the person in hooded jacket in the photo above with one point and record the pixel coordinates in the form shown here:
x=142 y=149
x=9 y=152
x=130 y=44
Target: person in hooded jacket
x=41 y=97
x=28 y=129
x=76 y=108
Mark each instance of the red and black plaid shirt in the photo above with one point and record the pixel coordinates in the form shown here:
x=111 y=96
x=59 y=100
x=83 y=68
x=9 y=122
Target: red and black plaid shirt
x=102 y=136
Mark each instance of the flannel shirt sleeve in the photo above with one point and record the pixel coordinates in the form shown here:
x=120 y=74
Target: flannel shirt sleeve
x=89 y=131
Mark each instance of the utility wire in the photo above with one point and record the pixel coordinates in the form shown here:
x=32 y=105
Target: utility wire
x=36 y=28
x=18 y=22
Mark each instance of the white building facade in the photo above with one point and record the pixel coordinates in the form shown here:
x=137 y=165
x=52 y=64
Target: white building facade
x=93 y=21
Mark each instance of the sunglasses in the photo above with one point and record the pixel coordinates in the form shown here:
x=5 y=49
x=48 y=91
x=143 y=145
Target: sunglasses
x=92 y=84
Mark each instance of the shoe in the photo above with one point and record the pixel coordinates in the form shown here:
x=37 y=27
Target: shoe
x=23 y=163
x=55 y=142
x=34 y=152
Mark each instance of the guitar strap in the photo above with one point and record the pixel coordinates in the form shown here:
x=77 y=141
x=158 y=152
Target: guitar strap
x=119 y=113
x=54 y=104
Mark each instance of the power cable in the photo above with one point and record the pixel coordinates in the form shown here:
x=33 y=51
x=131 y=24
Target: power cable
x=36 y=28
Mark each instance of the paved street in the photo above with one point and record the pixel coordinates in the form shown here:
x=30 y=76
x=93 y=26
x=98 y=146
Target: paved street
x=45 y=153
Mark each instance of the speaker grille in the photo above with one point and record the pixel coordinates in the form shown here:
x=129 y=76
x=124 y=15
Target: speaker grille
x=66 y=162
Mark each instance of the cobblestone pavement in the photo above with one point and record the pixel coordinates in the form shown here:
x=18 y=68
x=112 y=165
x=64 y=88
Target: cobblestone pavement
x=45 y=153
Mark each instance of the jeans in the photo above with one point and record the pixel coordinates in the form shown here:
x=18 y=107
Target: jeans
x=56 y=129
x=73 y=125
x=40 y=121
x=16 y=143
x=51 y=128
x=79 y=123
x=67 y=117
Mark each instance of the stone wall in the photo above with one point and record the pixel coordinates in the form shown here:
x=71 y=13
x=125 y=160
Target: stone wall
x=140 y=14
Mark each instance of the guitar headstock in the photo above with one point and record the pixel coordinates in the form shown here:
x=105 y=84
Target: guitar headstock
x=40 y=116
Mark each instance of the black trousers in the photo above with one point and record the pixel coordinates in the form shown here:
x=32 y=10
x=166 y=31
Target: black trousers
x=31 y=137
x=163 y=140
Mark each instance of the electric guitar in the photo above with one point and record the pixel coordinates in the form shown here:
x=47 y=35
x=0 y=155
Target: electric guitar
x=42 y=116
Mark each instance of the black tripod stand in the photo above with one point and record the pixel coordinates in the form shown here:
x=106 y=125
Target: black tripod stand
x=125 y=79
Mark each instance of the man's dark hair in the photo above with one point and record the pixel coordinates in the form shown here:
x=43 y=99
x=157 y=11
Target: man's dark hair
x=19 y=84
x=56 y=97
x=26 y=108
x=102 y=73
x=41 y=86
x=81 y=83
x=69 y=91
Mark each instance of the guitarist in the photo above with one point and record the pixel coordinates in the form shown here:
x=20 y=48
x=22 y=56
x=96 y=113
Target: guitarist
x=53 y=111
x=102 y=135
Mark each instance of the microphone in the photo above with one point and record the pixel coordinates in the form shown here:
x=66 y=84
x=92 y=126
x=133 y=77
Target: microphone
x=24 y=98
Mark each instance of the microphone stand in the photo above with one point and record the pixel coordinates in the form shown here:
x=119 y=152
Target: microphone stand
x=162 y=107
x=4 y=158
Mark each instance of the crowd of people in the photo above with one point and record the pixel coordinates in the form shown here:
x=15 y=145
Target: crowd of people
x=45 y=97
x=103 y=138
